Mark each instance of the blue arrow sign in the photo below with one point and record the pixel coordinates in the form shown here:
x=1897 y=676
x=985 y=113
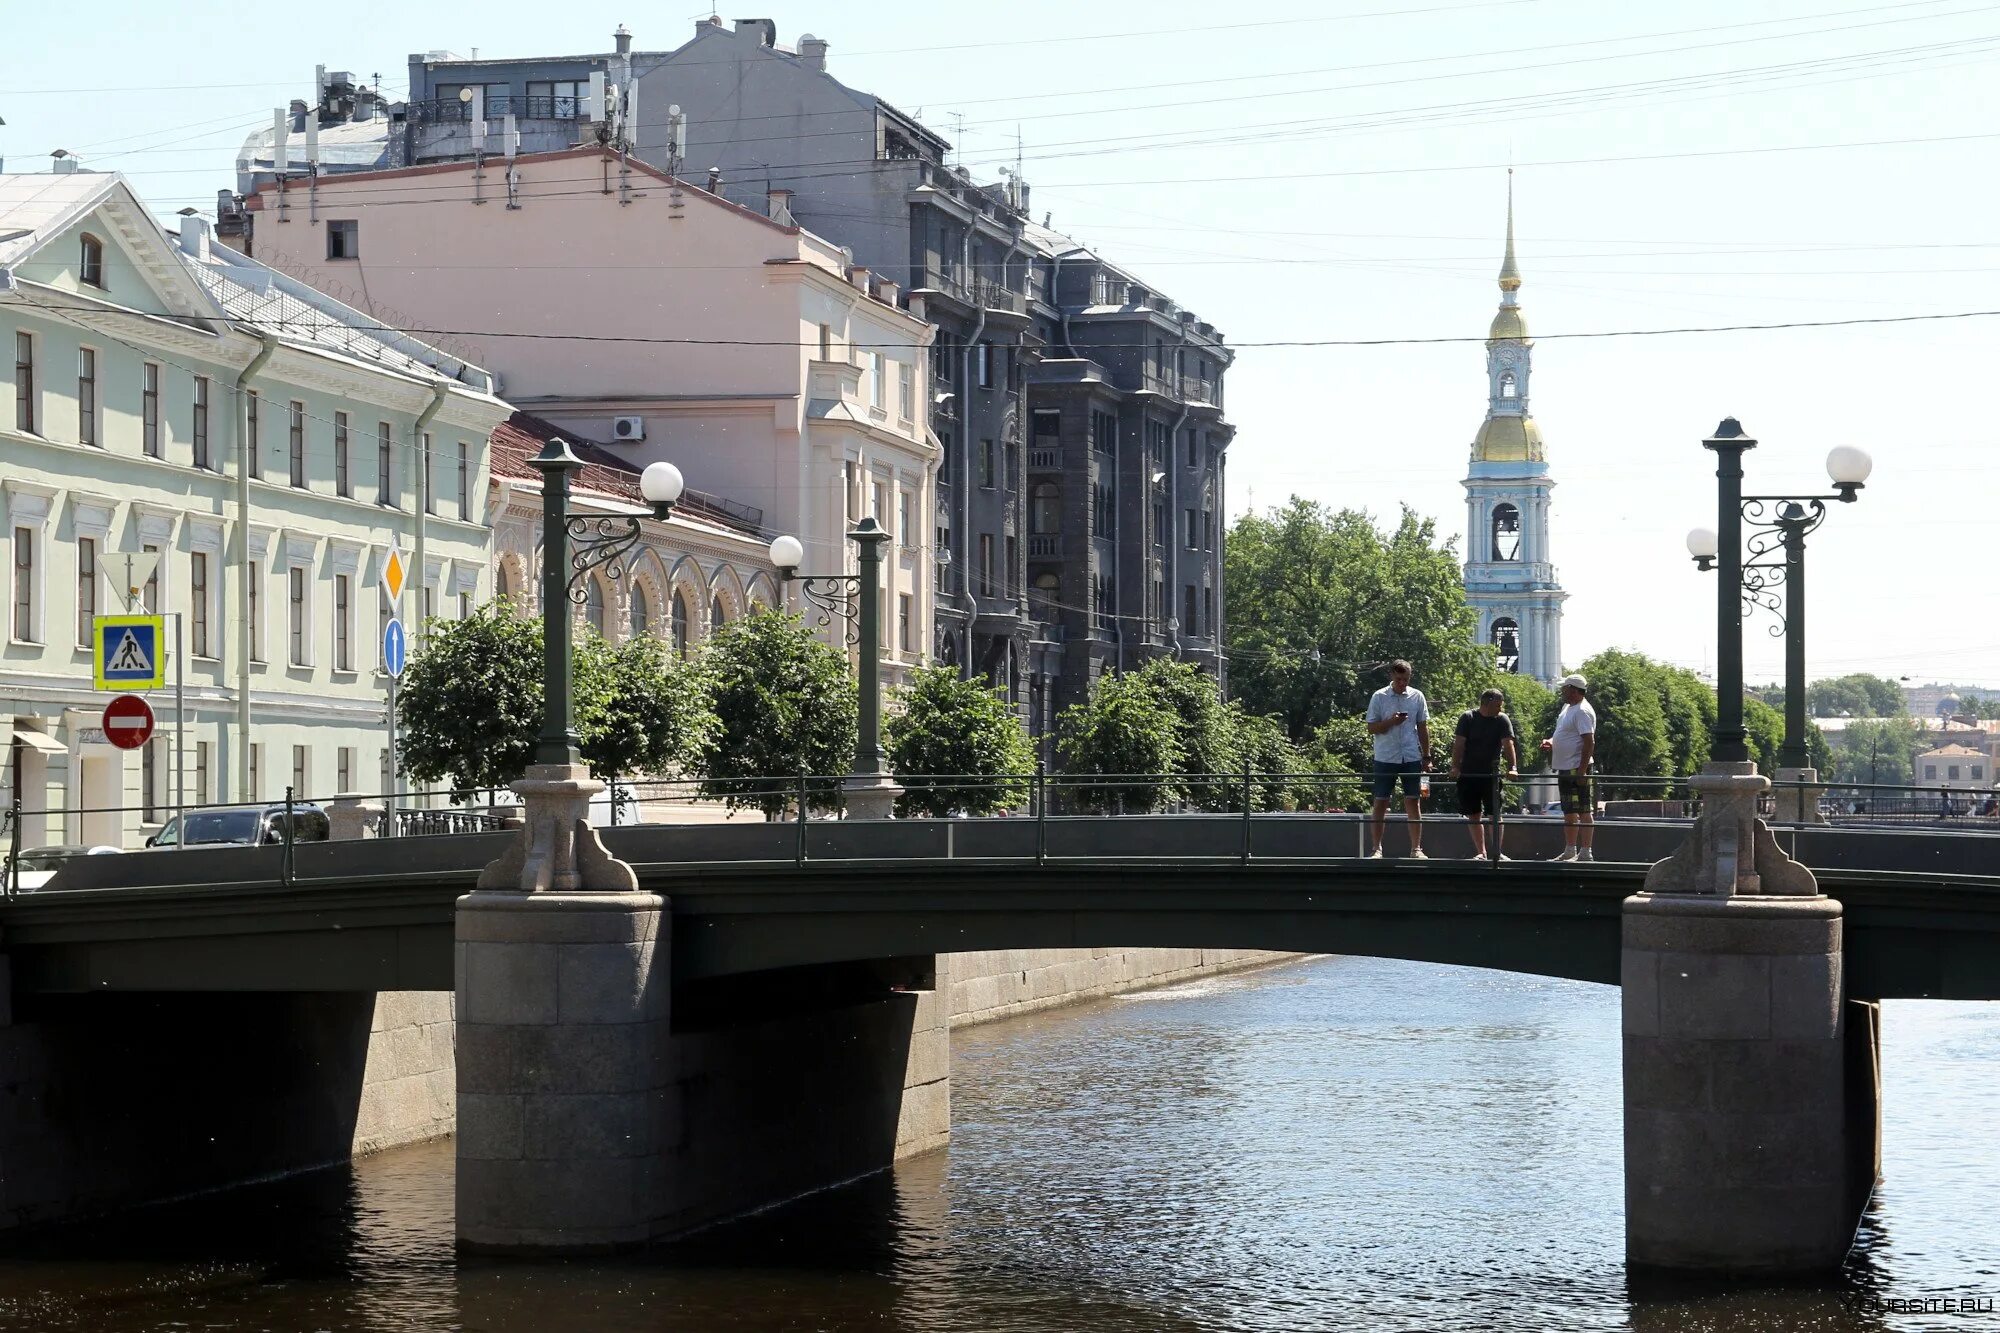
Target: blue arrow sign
x=395 y=648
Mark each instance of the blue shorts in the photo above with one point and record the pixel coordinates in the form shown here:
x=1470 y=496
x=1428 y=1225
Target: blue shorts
x=1412 y=774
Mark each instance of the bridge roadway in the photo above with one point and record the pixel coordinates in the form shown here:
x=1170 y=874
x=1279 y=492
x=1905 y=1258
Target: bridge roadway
x=1922 y=909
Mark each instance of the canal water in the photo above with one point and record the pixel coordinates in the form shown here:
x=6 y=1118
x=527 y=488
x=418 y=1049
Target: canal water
x=1342 y=1143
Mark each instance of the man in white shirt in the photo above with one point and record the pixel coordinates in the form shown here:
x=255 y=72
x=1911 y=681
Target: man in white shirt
x=1399 y=719
x=1571 y=748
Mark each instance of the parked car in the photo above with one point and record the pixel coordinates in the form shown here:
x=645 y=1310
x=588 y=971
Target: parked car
x=38 y=865
x=244 y=826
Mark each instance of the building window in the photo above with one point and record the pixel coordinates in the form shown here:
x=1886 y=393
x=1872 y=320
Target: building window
x=986 y=563
x=253 y=433
x=1045 y=508
x=301 y=766
x=151 y=592
x=642 y=612
x=1188 y=622
x=1007 y=584
x=942 y=359
x=86 y=589
x=906 y=391
x=343 y=769
x=1103 y=432
x=343 y=618
x=879 y=496
x=558 y=99
x=906 y=530
x=593 y=604
x=826 y=342
x=878 y=390
x=464 y=482
x=1978 y=772
x=198 y=604
x=430 y=474
x=465 y=606
x=296 y=441
x=343 y=484
x=295 y=582
x=24 y=585
x=90 y=264
x=149 y=408
x=906 y=629
x=343 y=239
x=385 y=482
x=982 y=364
x=1930 y=771
x=1506 y=532
x=1046 y=433
x=717 y=617
x=202 y=796
x=679 y=625
x=200 y=425
x=86 y=395
x=1193 y=535
x=24 y=383
x=986 y=463
x=256 y=611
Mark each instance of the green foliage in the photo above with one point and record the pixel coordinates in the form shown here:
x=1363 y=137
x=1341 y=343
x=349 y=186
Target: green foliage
x=784 y=703
x=1122 y=728
x=1877 y=750
x=469 y=704
x=1533 y=707
x=1764 y=730
x=1276 y=765
x=1633 y=738
x=947 y=727
x=1204 y=738
x=1855 y=695
x=1321 y=600
x=469 y=707
x=653 y=718
x=1337 y=755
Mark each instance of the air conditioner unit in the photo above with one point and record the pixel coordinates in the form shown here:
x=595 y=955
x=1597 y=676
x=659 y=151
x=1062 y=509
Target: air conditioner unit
x=628 y=428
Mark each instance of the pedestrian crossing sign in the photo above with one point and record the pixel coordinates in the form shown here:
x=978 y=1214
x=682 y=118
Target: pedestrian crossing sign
x=127 y=652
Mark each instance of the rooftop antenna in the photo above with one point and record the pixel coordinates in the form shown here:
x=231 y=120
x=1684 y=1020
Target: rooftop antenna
x=957 y=133
x=476 y=99
x=312 y=164
x=510 y=140
x=281 y=153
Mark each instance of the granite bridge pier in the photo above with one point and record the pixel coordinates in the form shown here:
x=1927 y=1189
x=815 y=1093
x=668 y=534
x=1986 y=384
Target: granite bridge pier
x=764 y=1009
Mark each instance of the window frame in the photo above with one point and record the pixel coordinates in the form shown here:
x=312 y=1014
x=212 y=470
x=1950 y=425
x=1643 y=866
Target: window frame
x=386 y=493
x=295 y=442
x=27 y=399
x=86 y=591
x=88 y=426
x=198 y=423
x=298 y=617
x=90 y=262
x=343 y=239
x=23 y=603
x=150 y=440
x=343 y=471
x=343 y=622
x=199 y=639
x=253 y=429
x=464 y=482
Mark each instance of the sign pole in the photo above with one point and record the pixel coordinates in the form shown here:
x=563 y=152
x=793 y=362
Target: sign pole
x=180 y=725
x=395 y=777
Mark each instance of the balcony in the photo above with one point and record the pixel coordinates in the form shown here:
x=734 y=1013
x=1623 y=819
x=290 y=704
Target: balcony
x=451 y=111
x=1045 y=546
x=1045 y=460
x=996 y=297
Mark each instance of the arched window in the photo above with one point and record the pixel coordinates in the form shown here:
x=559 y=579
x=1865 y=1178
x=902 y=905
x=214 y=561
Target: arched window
x=1508 y=389
x=680 y=618
x=593 y=604
x=1507 y=640
x=90 y=263
x=1045 y=508
x=1506 y=532
x=502 y=589
x=717 y=617
x=642 y=612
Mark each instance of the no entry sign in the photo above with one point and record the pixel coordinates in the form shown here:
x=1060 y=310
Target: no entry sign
x=128 y=722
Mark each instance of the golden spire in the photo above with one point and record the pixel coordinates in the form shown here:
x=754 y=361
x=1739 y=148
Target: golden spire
x=1510 y=272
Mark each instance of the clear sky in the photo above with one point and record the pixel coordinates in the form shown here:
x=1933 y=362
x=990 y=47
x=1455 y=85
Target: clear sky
x=1304 y=172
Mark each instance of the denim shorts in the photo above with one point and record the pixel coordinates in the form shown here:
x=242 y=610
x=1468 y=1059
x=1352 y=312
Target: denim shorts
x=1412 y=774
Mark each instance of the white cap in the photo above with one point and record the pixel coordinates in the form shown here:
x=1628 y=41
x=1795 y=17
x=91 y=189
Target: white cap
x=1575 y=682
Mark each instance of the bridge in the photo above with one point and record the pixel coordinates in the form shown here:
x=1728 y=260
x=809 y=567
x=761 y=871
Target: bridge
x=761 y=1017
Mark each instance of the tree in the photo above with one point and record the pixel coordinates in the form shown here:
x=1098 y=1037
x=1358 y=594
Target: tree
x=784 y=705
x=1336 y=756
x=1204 y=738
x=1632 y=734
x=1123 y=728
x=948 y=728
x=1855 y=695
x=654 y=718
x=469 y=705
x=1264 y=750
x=1320 y=601
x=1877 y=750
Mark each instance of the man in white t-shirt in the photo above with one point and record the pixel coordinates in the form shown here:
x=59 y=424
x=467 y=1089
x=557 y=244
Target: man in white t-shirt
x=1571 y=747
x=1399 y=719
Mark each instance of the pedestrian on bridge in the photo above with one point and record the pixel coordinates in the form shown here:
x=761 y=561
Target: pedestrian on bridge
x=1571 y=747
x=1485 y=737
x=1399 y=719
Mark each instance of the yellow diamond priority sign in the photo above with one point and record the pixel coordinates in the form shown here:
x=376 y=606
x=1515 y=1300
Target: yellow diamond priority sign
x=395 y=573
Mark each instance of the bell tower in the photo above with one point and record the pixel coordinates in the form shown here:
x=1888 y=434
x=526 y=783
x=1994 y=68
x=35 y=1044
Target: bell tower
x=1508 y=575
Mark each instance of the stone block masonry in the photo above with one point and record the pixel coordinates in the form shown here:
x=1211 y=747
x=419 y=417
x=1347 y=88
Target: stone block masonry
x=1006 y=983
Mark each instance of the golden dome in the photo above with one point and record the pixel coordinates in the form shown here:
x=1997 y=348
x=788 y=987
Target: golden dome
x=1507 y=323
x=1508 y=439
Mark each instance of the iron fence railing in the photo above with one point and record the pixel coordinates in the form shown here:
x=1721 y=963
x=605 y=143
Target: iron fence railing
x=804 y=799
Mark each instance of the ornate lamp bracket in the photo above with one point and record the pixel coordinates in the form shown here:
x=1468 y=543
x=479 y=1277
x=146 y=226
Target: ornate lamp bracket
x=594 y=542
x=832 y=597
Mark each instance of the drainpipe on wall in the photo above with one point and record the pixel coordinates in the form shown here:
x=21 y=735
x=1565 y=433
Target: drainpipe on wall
x=965 y=388
x=1173 y=579
x=242 y=424
x=440 y=394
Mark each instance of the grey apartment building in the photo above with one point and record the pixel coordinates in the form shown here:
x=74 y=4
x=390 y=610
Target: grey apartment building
x=1079 y=409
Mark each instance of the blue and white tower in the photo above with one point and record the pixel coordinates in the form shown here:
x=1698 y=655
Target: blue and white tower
x=1508 y=577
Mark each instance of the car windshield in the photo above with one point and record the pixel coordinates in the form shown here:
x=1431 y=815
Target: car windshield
x=218 y=826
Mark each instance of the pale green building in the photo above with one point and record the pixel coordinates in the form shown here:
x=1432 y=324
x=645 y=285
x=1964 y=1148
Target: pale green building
x=162 y=394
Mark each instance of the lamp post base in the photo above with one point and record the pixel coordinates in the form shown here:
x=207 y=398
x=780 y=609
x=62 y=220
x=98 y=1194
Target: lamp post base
x=870 y=796
x=556 y=850
x=1799 y=804
x=1730 y=851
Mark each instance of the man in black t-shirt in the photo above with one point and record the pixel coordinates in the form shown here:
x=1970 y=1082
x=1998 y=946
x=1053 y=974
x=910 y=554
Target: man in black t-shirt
x=1485 y=737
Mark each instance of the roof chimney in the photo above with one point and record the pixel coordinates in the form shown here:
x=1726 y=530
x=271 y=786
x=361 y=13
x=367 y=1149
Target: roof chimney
x=766 y=30
x=780 y=208
x=715 y=180
x=63 y=164
x=194 y=237
x=622 y=40
x=812 y=52
x=299 y=114
x=858 y=275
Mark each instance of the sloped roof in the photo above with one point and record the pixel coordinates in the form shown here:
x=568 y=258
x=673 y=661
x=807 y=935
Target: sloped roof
x=523 y=435
x=33 y=208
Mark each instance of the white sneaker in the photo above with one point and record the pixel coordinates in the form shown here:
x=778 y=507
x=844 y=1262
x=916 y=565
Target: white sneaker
x=1375 y=855
x=1418 y=854
x=1567 y=854
x=1505 y=857
x=1585 y=855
